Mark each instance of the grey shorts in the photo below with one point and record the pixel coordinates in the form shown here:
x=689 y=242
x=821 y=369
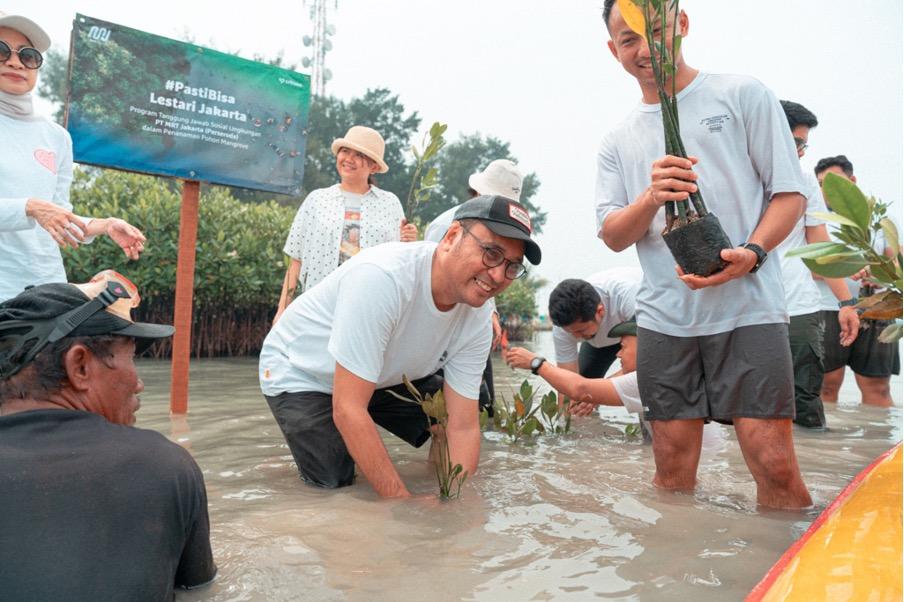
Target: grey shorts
x=866 y=356
x=746 y=373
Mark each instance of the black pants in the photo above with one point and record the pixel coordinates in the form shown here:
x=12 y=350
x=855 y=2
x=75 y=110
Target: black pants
x=594 y=362
x=805 y=334
x=306 y=420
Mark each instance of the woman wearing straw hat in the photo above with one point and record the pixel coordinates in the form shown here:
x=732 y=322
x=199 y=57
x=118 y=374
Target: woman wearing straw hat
x=335 y=223
x=35 y=173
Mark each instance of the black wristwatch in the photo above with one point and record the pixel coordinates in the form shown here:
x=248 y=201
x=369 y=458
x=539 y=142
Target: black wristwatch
x=760 y=255
x=536 y=363
x=847 y=303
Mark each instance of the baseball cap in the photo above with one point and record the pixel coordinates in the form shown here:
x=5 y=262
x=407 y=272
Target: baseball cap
x=28 y=28
x=500 y=177
x=43 y=314
x=626 y=328
x=504 y=217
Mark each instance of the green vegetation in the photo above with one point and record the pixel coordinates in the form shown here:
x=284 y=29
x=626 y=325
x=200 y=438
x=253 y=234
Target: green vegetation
x=522 y=418
x=861 y=221
x=238 y=268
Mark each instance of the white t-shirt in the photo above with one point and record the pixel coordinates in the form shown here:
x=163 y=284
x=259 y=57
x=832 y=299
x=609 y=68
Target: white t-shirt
x=376 y=317
x=629 y=392
x=801 y=293
x=618 y=289
x=737 y=129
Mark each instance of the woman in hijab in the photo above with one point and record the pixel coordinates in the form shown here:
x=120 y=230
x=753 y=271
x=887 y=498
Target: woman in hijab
x=36 y=218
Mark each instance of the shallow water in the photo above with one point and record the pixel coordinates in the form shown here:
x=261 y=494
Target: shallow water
x=567 y=518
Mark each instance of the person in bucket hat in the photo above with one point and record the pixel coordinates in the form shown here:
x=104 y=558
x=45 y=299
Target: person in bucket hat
x=333 y=224
x=107 y=511
x=419 y=311
x=36 y=215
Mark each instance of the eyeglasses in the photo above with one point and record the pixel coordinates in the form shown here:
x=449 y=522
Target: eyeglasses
x=494 y=257
x=29 y=57
x=800 y=143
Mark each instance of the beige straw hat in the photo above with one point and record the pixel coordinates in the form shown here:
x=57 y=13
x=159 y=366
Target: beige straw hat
x=364 y=140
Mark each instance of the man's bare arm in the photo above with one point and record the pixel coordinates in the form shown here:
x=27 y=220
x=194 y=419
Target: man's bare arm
x=463 y=432
x=351 y=396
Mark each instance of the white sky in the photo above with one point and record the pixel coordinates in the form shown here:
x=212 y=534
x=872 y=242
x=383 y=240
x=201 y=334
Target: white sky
x=540 y=76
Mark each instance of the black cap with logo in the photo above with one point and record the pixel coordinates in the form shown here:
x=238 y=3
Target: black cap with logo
x=504 y=217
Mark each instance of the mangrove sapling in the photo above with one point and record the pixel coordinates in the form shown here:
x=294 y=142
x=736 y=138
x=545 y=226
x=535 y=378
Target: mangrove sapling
x=861 y=221
x=693 y=235
x=522 y=418
x=421 y=186
x=555 y=415
x=450 y=477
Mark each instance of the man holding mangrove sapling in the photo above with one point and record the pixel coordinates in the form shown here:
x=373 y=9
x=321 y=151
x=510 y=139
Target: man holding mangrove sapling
x=583 y=312
x=802 y=296
x=713 y=347
x=392 y=311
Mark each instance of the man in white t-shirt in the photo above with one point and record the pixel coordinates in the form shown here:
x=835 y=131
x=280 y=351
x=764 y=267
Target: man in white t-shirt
x=872 y=361
x=583 y=312
x=806 y=326
x=501 y=177
x=393 y=311
x=716 y=347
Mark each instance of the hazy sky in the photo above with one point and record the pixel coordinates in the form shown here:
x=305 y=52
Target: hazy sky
x=540 y=76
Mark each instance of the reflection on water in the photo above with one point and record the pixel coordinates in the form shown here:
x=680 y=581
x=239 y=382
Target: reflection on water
x=569 y=518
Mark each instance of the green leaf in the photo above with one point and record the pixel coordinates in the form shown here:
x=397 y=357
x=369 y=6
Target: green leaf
x=891 y=235
x=841 y=269
x=844 y=198
x=817 y=249
x=836 y=218
x=891 y=334
x=835 y=258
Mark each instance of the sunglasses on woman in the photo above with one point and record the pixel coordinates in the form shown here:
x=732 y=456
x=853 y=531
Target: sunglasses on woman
x=29 y=57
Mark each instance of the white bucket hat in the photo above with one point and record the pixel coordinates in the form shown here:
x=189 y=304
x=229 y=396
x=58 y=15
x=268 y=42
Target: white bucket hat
x=364 y=140
x=501 y=177
x=28 y=28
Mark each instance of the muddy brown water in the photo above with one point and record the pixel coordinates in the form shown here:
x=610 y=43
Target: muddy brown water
x=564 y=518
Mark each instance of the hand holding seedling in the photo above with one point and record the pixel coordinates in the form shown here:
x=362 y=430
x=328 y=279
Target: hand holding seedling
x=740 y=261
x=672 y=179
x=518 y=357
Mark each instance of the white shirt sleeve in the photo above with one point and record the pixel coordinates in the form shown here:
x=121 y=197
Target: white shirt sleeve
x=366 y=313
x=629 y=392
x=464 y=370
x=815 y=202
x=611 y=193
x=566 y=346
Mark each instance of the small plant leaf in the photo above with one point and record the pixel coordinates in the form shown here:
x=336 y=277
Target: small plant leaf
x=835 y=218
x=889 y=308
x=841 y=269
x=891 y=235
x=891 y=334
x=633 y=16
x=817 y=249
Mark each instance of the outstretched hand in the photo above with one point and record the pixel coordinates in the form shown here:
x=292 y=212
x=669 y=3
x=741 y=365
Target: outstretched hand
x=849 y=324
x=128 y=237
x=518 y=357
x=66 y=229
x=740 y=262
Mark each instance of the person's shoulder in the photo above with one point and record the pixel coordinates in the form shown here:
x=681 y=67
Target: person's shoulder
x=617 y=134
x=54 y=129
x=161 y=455
x=734 y=82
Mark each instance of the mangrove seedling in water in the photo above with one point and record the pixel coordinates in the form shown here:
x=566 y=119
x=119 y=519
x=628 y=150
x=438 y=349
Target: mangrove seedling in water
x=861 y=222
x=693 y=234
x=520 y=418
x=450 y=477
x=421 y=186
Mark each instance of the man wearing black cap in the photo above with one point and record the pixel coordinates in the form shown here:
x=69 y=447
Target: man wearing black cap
x=392 y=311
x=90 y=508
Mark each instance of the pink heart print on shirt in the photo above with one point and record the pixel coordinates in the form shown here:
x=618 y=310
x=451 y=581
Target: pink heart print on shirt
x=47 y=159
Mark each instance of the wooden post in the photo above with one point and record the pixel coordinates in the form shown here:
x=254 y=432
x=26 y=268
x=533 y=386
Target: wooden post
x=185 y=280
